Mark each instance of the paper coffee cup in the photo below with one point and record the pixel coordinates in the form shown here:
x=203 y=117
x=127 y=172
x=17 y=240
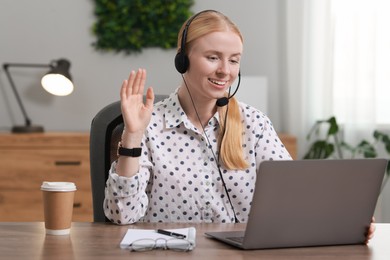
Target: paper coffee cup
x=58 y=200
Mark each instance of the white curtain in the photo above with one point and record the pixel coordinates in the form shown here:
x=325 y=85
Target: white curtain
x=337 y=62
x=361 y=65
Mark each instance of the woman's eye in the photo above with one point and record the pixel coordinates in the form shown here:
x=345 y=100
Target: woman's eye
x=213 y=58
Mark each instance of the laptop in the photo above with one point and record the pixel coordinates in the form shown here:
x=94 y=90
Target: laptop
x=306 y=203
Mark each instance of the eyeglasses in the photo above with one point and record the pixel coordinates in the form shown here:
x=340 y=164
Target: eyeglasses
x=147 y=244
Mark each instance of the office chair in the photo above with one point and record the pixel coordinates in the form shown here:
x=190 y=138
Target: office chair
x=105 y=133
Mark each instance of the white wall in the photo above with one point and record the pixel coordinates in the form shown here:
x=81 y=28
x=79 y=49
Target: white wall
x=253 y=84
x=37 y=31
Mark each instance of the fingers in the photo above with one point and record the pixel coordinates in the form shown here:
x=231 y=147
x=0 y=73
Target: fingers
x=370 y=231
x=136 y=81
x=123 y=92
x=139 y=83
x=370 y=235
x=149 y=99
x=130 y=83
x=134 y=85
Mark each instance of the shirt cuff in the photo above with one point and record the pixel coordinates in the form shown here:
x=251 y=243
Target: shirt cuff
x=122 y=186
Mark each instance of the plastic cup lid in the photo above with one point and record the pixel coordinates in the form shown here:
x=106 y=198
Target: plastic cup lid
x=58 y=186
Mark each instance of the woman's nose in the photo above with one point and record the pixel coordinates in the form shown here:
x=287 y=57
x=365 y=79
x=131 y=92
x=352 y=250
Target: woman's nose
x=224 y=67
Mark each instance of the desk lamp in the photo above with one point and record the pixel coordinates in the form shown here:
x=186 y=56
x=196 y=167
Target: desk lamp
x=57 y=82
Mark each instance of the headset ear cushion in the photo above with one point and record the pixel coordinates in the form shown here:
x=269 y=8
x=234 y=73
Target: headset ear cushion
x=181 y=62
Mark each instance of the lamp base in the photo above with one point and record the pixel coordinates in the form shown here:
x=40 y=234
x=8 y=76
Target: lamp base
x=27 y=129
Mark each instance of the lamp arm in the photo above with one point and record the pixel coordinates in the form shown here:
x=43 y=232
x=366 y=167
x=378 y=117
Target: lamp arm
x=16 y=93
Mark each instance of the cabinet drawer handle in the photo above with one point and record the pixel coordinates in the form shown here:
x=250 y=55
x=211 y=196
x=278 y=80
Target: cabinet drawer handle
x=67 y=163
x=77 y=205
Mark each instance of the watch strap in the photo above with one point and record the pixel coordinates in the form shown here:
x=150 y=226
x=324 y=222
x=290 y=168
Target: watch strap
x=133 y=152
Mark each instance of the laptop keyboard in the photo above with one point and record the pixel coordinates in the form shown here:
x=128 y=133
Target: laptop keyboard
x=236 y=239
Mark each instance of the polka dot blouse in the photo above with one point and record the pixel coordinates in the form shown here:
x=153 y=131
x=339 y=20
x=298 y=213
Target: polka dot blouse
x=178 y=179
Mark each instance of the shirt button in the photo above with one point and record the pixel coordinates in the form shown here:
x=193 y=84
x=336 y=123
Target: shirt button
x=207 y=183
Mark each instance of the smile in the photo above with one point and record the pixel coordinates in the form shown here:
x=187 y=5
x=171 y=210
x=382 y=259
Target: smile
x=218 y=82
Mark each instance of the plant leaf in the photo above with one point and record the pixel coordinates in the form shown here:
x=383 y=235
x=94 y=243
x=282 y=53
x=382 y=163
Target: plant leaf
x=334 y=127
x=320 y=150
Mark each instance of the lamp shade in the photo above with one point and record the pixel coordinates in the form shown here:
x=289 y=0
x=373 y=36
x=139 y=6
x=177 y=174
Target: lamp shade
x=58 y=80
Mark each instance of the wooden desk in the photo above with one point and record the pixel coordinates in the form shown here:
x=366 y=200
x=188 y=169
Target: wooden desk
x=27 y=240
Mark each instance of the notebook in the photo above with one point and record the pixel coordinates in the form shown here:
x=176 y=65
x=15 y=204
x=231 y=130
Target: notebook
x=134 y=234
x=310 y=203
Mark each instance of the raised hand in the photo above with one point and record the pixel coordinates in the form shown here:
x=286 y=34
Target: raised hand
x=136 y=114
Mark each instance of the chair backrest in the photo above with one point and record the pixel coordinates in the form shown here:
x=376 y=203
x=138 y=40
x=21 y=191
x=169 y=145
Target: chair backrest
x=105 y=133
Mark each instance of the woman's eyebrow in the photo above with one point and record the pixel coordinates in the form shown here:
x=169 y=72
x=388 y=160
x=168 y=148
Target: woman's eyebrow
x=221 y=53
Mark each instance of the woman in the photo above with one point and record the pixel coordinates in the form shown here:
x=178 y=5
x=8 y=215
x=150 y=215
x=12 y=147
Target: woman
x=199 y=161
x=178 y=175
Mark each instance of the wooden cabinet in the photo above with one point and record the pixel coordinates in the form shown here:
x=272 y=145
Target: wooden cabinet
x=290 y=142
x=26 y=160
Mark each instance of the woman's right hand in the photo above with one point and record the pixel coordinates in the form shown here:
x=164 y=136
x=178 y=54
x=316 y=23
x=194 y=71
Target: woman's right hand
x=136 y=114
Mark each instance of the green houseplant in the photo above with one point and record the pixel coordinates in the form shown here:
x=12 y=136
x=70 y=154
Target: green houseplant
x=329 y=145
x=131 y=25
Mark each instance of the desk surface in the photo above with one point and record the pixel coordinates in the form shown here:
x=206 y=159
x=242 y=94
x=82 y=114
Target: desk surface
x=27 y=240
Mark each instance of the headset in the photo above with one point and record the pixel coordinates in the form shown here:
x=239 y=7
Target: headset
x=182 y=62
x=181 y=59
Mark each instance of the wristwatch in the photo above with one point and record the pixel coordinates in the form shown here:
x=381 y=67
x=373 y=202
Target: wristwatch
x=133 y=152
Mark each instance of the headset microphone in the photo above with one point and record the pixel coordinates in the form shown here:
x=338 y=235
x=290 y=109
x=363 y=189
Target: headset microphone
x=221 y=102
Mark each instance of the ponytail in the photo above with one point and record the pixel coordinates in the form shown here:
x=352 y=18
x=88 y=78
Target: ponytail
x=231 y=152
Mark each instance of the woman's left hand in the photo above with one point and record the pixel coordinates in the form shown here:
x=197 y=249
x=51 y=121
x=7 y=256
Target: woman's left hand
x=370 y=230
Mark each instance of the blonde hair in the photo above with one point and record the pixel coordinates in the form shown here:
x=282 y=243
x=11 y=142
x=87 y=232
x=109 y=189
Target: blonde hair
x=230 y=135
